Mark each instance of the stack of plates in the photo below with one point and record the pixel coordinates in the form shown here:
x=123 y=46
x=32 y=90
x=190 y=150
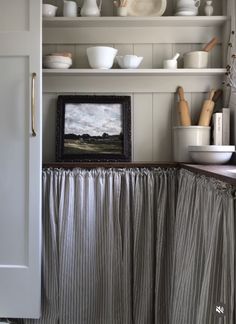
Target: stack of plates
x=57 y=61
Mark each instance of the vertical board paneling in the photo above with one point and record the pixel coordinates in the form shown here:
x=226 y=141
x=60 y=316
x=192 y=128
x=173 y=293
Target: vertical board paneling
x=81 y=60
x=161 y=52
x=68 y=48
x=181 y=49
x=49 y=127
x=143 y=127
x=48 y=49
x=216 y=57
x=124 y=49
x=144 y=50
x=162 y=126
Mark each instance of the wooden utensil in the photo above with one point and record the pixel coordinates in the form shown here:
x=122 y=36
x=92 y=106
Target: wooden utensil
x=183 y=108
x=207 y=110
x=217 y=95
x=210 y=45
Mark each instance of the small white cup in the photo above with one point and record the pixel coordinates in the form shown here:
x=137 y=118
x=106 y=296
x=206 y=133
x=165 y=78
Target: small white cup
x=185 y=136
x=70 y=9
x=122 y=11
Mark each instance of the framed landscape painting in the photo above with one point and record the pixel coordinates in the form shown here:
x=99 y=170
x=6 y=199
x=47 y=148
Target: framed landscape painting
x=93 y=128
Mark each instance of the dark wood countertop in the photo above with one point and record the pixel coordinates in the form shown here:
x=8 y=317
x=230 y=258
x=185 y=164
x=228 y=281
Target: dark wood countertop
x=226 y=173
x=107 y=165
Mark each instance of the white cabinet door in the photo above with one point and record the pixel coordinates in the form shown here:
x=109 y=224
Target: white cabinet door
x=20 y=160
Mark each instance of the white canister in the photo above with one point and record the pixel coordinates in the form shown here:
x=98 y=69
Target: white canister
x=70 y=9
x=196 y=60
x=184 y=136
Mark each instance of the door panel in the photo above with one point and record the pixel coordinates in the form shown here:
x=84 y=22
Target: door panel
x=14 y=139
x=20 y=163
x=14 y=15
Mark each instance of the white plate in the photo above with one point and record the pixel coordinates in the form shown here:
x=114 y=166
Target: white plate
x=146 y=7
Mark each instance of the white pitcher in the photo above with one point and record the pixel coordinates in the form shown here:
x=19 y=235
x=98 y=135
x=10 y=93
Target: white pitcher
x=187 y=7
x=70 y=9
x=90 y=8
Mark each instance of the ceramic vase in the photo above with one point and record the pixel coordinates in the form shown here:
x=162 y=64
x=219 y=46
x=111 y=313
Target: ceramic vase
x=208 y=8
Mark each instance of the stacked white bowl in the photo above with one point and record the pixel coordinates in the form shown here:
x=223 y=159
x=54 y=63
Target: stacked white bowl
x=211 y=154
x=57 y=61
x=101 y=57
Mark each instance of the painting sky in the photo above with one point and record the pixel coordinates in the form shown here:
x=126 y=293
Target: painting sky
x=93 y=119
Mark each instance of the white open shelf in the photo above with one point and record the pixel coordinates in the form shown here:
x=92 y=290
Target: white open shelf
x=172 y=21
x=135 y=72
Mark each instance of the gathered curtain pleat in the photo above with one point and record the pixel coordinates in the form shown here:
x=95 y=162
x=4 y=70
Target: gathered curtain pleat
x=136 y=246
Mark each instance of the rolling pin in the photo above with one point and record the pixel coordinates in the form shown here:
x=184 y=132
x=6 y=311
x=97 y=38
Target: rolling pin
x=207 y=110
x=210 y=45
x=183 y=108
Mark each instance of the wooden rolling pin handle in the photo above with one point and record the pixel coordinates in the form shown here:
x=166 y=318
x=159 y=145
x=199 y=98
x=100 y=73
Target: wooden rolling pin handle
x=181 y=93
x=185 y=119
x=206 y=113
x=212 y=93
x=211 y=45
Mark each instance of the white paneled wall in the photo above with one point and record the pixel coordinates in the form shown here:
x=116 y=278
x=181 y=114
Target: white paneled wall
x=153 y=113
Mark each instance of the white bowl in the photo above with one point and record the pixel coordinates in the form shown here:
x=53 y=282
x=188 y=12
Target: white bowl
x=196 y=60
x=101 y=57
x=129 y=61
x=49 y=10
x=211 y=154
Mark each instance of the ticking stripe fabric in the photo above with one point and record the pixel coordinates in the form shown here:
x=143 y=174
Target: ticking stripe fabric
x=136 y=246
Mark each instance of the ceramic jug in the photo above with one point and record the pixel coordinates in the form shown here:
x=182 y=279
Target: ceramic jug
x=187 y=7
x=90 y=8
x=70 y=9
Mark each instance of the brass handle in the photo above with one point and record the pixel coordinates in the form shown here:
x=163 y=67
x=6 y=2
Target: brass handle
x=33 y=104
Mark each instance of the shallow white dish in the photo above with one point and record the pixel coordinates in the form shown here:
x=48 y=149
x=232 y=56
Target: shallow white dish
x=211 y=154
x=146 y=7
x=129 y=61
x=101 y=57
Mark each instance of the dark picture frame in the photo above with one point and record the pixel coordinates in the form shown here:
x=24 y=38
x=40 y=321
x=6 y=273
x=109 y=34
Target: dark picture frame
x=93 y=128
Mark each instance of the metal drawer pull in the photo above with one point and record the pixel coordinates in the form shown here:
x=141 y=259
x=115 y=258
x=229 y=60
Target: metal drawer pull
x=33 y=104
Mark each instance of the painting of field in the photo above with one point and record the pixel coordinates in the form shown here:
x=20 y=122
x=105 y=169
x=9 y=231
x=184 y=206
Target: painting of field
x=92 y=128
